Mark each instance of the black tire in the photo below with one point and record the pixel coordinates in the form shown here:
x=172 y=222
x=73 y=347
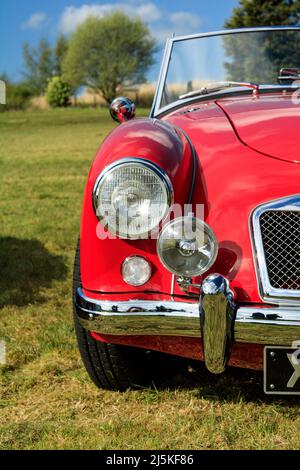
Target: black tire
x=111 y=366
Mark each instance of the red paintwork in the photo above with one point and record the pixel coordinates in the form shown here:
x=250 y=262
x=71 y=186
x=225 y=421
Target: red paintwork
x=268 y=124
x=232 y=179
x=243 y=354
x=101 y=260
x=124 y=296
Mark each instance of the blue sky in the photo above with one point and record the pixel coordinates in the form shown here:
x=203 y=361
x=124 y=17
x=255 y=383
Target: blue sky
x=29 y=20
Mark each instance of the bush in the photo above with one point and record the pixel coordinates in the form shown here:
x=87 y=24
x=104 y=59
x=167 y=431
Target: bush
x=58 y=93
x=17 y=96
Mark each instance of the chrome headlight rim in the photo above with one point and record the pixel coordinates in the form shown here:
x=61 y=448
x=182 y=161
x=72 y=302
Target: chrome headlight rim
x=206 y=228
x=154 y=168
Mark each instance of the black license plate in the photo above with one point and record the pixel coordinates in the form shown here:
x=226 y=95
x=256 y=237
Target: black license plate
x=282 y=370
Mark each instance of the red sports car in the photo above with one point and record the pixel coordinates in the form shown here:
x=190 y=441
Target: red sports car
x=190 y=230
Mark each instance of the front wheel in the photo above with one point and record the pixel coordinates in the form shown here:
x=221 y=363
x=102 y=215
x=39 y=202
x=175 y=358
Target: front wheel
x=112 y=366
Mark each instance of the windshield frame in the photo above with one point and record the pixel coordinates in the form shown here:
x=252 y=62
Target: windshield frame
x=156 y=109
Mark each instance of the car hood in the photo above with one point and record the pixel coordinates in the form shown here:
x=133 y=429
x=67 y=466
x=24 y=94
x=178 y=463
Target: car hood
x=268 y=124
x=232 y=179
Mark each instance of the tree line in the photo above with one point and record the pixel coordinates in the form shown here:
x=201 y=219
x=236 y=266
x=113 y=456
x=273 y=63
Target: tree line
x=106 y=54
x=103 y=54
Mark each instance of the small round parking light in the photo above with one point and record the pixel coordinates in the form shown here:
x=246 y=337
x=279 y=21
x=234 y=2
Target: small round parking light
x=136 y=270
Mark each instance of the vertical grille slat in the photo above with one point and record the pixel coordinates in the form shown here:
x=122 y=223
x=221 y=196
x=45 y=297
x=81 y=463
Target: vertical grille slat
x=280 y=232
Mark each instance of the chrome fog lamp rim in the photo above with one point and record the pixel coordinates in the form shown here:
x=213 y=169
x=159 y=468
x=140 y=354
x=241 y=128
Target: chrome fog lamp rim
x=135 y=161
x=213 y=244
x=147 y=265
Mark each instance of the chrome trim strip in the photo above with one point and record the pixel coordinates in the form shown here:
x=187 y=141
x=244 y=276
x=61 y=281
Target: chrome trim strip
x=217 y=315
x=234 y=31
x=258 y=325
x=162 y=75
x=156 y=109
x=172 y=284
x=138 y=317
x=267 y=292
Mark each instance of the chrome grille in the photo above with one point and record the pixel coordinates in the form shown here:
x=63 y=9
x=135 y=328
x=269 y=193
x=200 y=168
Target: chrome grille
x=280 y=232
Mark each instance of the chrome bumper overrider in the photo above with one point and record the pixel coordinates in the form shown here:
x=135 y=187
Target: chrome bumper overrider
x=216 y=319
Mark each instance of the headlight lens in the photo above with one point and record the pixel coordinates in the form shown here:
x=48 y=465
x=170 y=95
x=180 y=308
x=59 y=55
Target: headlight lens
x=132 y=197
x=136 y=270
x=187 y=246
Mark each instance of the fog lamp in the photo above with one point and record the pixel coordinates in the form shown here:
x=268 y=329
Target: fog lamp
x=136 y=270
x=187 y=246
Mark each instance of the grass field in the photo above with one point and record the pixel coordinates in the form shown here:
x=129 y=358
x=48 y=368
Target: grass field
x=47 y=399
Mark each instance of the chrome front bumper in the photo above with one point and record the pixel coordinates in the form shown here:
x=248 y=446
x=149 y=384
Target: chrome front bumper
x=216 y=319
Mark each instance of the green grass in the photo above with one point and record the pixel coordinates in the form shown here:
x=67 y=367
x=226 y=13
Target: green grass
x=47 y=399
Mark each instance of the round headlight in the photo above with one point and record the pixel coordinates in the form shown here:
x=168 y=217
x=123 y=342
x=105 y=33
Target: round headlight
x=136 y=270
x=187 y=246
x=131 y=197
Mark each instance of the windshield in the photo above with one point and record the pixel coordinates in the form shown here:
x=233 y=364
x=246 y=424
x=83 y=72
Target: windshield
x=213 y=63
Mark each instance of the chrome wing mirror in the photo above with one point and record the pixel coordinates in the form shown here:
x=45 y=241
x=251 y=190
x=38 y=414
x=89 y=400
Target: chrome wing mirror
x=122 y=109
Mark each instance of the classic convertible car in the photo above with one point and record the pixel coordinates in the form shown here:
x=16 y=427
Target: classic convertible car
x=190 y=230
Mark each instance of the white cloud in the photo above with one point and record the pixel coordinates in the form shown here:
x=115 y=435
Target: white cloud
x=178 y=23
x=162 y=24
x=148 y=12
x=73 y=16
x=35 y=21
x=185 y=21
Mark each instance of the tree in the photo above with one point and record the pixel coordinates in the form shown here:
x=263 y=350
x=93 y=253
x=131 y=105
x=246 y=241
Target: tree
x=43 y=62
x=58 y=93
x=106 y=53
x=59 y=52
x=264 y=13
x=39 y=65
x=260 y=58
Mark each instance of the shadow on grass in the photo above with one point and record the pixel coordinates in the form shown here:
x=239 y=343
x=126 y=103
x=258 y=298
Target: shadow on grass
x=26 y=267
x=234 y=385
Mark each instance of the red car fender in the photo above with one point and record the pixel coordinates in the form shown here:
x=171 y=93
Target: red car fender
x=101 y=260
